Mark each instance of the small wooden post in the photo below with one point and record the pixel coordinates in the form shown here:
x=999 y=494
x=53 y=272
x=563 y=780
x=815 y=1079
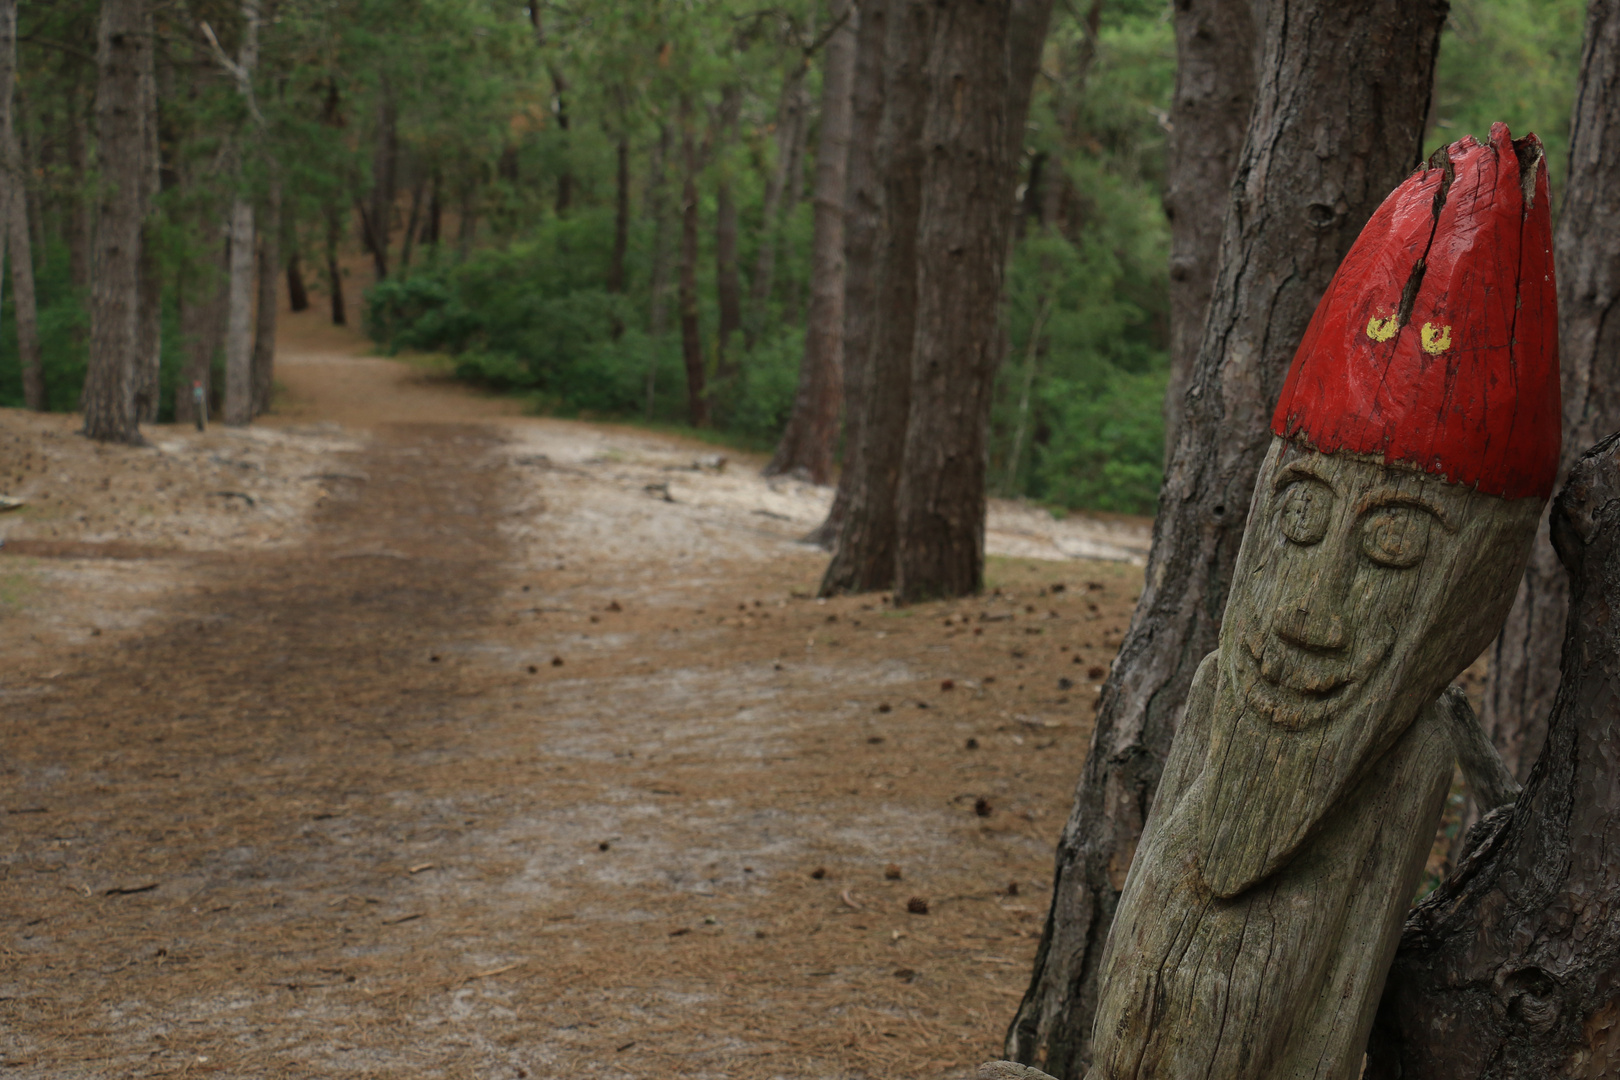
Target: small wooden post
x=1415 y=445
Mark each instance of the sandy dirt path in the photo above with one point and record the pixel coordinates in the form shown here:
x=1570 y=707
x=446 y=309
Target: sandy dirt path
x=458 y=743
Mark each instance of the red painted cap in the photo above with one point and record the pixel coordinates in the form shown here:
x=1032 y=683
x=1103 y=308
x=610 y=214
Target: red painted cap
x=1437 y=341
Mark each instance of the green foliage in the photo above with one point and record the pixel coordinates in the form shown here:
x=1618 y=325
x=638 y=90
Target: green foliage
x=1515 y=61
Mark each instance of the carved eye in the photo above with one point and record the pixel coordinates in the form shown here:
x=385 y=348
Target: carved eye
x=1306 y=506
x=1396 y=536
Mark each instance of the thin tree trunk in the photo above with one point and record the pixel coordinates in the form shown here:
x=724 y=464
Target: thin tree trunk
x=203 y=293
x=378 y=218
x=979 y=73
x=621 y=217
x=1337 y=124
x=697 y=398
x=1511 y=967
x=264 y=325
x=864 y=555
x=297 y=293
x=109 y=402
x=1032 y=350
x=863 y=221
x=1524 y=660
x=658 y=284
x=239 y=320
x=728 y=286
x=418 y=190
x=811 y=436
x=14 y=200
x=782 y=185
x=467 y=229
x=334 y=273
x=1209 y=115
x=565 y=181
x=149 y=348
x=80 y=214
x=430 y=231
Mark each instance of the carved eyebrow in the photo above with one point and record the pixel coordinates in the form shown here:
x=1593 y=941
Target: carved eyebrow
x=1374 y=499
x=1296 y=470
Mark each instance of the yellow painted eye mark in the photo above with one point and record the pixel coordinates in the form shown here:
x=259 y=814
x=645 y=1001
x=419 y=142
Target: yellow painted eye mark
x=1381 y=329
x=1436 y=339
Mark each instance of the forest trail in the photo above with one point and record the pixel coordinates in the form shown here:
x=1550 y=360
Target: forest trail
x=513 y=748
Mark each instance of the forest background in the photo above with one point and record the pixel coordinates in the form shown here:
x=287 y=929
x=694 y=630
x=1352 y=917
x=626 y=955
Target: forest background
x=520 y=180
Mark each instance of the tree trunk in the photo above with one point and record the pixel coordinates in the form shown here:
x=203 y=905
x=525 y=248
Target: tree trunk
x=808 y=443
x=109 y=402
x=863 y=221
x=979 y=71
x=80 y=215
x=149 y=349
x=1510 y=968
x=418 y=191
x=697 y=397
x=621 y=217
x=565 y=181
x=781 y=196
x=334 y=273
x=378 y=219
x=1209 y=115
x=728 y=287
x=264 y=324
x=239 y=318
x=297 y=294
x=1337 y=124
x=1524 y=660
x=14 y=202
x=430 y=231
x=467 y=230
x=864 y=555
x=202 y=293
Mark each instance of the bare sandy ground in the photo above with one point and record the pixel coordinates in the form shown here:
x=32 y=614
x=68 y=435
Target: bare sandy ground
x=462 y=743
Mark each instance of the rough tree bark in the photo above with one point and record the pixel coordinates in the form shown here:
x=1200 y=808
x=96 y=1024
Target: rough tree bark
x=863 y=557
x=1337 y=123
x=1209 y=115
x=149 y=331
x=264 y=316
x=979 y=67
x=697 y=396
x=109 y=401
x=1510 y=968
x=1524 y=660
x=14 y=223
x=863 y=221
x=808 y=442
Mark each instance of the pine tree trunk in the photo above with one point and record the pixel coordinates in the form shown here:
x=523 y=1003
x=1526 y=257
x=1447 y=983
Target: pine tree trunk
x=621 y=217
x=1209 y=115
x=863 y=220
x=418 y=191
x=728 y=286
x=1511 y=968
x=297 y=293
x=378 y=218
x=1337 y=124
x=239 y=318
x=149 y=350
x=781 y=196
x=203 y=293
x=565 y=180
x=109 y=401
x=264 y=324
x=1524 y=660
x=334 y=273
x=80 y=214
x=979 y=70
x=697 y=396
x=14 y=202
x=808 y=443
x=658 y=210
x=864 y=555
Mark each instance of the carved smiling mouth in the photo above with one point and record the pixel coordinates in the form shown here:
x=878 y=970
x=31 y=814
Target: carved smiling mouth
x=1294 y=687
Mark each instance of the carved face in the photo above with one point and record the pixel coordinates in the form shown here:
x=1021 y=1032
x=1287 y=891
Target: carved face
x=1360 y=592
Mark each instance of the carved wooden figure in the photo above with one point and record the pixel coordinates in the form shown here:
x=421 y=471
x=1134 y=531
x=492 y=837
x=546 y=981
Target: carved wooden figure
x=1415 y=445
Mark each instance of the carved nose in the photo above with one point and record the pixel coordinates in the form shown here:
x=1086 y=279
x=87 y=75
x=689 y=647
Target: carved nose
x=1307 y=627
